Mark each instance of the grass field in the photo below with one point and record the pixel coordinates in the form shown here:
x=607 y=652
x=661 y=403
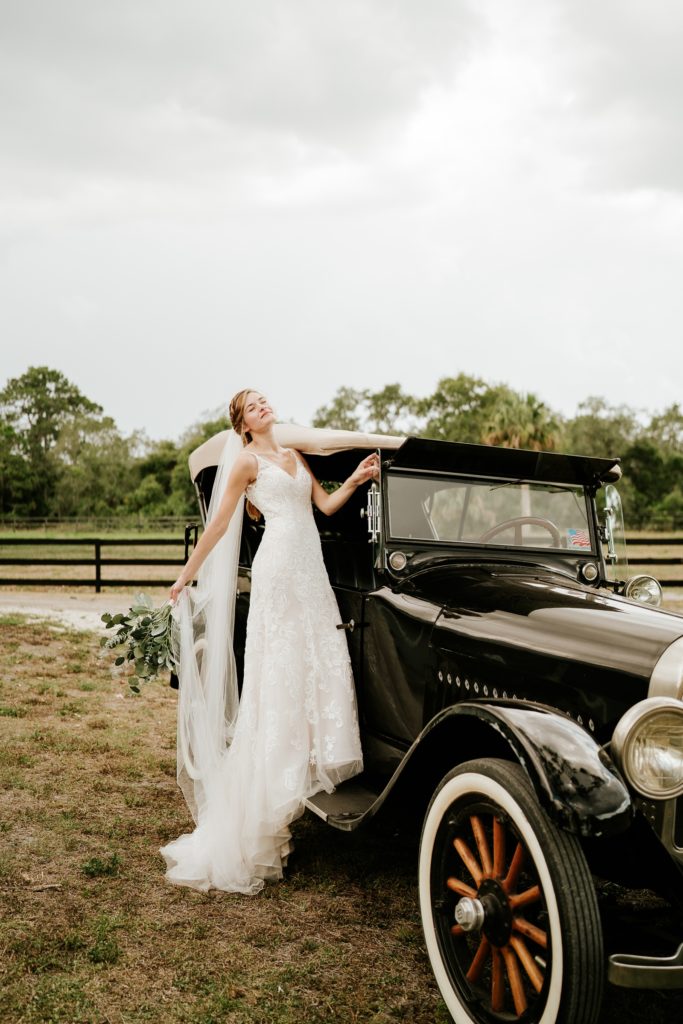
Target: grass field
x=90 y=933
x=89 y=929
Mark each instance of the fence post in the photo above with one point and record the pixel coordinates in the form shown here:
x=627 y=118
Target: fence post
x=98 y=567
x=191 y=529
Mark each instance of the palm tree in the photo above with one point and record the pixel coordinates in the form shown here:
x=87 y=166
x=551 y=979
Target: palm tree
x=520 y=421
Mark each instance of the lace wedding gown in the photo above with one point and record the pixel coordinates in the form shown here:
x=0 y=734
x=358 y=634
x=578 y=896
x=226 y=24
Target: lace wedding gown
x=297 y=728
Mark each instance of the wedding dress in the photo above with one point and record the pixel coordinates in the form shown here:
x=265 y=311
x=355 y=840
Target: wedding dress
x=296 y=731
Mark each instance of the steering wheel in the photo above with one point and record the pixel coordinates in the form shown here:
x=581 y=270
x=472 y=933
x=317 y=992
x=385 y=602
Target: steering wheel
x=518 y=522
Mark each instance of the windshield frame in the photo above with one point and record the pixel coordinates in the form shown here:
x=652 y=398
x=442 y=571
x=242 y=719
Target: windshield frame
x=582 y=553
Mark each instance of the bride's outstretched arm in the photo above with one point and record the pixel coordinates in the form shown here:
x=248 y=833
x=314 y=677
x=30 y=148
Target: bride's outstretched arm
x=241 y=475
x=329 y=503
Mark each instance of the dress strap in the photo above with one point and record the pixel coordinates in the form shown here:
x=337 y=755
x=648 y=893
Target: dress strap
x=258 y=466
x=272 y=463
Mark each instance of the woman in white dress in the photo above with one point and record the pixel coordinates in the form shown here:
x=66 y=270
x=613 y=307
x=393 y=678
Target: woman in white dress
x=245 y=775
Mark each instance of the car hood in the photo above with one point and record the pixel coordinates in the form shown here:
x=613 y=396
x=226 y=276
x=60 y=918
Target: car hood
x=540 y=610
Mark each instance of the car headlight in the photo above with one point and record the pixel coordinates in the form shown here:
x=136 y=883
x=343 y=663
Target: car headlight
x=645 y=589
x=648 y=747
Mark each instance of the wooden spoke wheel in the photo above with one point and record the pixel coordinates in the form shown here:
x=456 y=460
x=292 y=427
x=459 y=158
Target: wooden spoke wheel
x=508 y=906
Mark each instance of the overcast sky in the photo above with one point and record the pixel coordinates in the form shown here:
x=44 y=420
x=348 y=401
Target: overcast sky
x=202 y=195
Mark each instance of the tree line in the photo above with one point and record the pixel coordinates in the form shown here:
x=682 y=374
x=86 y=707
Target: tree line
x=62 y=456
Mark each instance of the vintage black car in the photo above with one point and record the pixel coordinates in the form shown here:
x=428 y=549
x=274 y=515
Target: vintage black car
x=518 y=696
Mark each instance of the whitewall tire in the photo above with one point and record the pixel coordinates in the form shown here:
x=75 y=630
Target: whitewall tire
x=526 y=943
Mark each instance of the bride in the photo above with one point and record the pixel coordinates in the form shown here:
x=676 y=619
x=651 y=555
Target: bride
x=245 y=775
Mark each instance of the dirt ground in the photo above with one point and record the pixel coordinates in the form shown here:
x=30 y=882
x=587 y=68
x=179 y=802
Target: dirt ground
x=72 y=608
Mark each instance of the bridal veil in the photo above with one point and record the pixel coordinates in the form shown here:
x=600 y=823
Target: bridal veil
x=208 y=696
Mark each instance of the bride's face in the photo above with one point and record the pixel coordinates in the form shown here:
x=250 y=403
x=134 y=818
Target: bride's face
x=257 y=412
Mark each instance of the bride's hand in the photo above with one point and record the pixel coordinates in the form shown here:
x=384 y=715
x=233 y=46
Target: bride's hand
x=176 y=590
x=367 y=469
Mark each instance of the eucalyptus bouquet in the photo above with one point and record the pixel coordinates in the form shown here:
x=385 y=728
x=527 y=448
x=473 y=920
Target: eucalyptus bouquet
x=148 y=635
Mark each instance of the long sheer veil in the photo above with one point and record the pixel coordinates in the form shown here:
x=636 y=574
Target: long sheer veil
x=208 y=697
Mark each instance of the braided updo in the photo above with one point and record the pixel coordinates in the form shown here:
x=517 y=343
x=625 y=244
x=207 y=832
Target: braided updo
x=236 y=413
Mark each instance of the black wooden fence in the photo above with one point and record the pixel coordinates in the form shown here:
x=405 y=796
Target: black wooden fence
x=647 y=561
x=96 y=560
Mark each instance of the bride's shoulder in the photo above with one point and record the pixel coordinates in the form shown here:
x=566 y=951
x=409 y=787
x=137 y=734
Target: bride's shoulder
x=246 y=464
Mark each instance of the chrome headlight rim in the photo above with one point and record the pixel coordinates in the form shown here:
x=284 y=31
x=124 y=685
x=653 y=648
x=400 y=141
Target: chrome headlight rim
x=667 y=676
x=625 y=734
x=633 y=583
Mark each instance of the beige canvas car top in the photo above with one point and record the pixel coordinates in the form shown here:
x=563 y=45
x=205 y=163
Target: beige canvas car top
x=309 y=440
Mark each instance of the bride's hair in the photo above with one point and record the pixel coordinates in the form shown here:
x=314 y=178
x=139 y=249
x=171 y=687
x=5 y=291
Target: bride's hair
x=236 y=413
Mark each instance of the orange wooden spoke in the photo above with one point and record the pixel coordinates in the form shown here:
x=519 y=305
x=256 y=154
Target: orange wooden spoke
x=510 y=880
x=497 y=981
x=531 y=931
x=528 y=896
x=463 y=890
x=528 y=962
x=469 y=859
x=482 y=844
x=480 y=958
x=515 y=979
x=498 y=848
x=457 y=929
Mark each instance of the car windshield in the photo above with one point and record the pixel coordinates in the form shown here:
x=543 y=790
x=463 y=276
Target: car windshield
x=513 y=513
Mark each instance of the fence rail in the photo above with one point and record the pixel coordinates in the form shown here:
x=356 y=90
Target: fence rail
x=648 y=561
x=96 y=523
x=96 y=561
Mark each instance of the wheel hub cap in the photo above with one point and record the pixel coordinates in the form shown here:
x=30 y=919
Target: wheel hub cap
x=469 y=914
x=497 y=925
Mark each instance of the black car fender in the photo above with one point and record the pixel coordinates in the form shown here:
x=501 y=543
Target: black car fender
x=574 y=779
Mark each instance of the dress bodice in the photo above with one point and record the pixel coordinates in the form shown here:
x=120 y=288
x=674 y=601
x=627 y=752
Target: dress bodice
x=279 y=495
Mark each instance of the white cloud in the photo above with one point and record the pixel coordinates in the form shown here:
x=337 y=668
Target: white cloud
x=627 y=72
x=167 y=90
x=302 y=195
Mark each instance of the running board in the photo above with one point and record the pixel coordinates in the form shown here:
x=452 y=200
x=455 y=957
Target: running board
x=633 y=971
x=345 y=807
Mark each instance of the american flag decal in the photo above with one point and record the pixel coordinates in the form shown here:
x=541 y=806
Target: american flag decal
x=578 y=539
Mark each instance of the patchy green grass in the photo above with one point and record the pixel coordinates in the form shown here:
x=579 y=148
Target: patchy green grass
x=89 y=930
x=96 y=867
x=12 y=620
